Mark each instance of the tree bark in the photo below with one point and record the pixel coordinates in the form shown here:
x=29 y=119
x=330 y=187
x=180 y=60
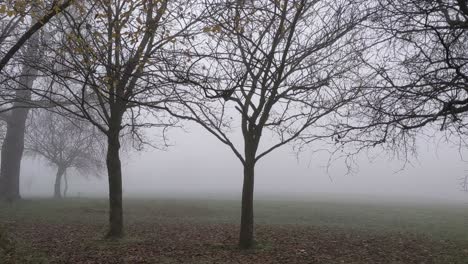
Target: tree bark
x=13 y=144
x=58 y=183
x=12 y=152
x=246 y=238
x=114 y=171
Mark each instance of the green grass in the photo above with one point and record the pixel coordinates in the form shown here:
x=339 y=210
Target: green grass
x=12 y=251
x=76 y=227
x=437 y=221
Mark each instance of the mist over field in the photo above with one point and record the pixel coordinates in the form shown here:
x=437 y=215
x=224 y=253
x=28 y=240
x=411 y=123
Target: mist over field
x=195 y=165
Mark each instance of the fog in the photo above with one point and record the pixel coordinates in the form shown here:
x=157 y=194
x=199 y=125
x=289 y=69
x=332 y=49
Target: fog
x=197 y=165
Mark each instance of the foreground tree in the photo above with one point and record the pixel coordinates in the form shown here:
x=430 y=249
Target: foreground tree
x=66 y=144
x=105 y=67
x=20 y=22
x=275 y=67
x=15 y=119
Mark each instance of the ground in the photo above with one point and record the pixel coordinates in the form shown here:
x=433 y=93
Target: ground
x=205 y=231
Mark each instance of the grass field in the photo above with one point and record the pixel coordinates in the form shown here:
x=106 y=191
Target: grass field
x=205 y=231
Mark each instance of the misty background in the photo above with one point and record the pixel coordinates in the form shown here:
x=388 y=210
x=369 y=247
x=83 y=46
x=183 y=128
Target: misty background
x=197 y=165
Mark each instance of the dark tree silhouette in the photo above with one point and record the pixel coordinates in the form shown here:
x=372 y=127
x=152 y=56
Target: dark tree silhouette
x=106 y=65
x=276 y=68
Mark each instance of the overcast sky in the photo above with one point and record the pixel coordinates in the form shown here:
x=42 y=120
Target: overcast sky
x=197 y=164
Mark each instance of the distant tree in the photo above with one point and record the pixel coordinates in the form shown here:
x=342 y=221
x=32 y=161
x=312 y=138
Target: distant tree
x=65 y=189
x=66 y=144
x=464 y=183
x=277 y=68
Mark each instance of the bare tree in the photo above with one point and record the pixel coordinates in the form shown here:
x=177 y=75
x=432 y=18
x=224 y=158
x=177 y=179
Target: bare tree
x=277 y=68
x=13 y=144
x=20 y=22
x=418 y=76
x=106 y=65
x=66 y=144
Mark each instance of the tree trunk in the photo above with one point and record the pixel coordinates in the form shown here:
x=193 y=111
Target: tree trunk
x=12 y=152
x=58 y=183
x=114 y=171
x=65 y=189
x=13 y=144
x=246 y=239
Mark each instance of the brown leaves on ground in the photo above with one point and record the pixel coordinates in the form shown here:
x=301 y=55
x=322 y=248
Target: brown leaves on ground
x=190 y=242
